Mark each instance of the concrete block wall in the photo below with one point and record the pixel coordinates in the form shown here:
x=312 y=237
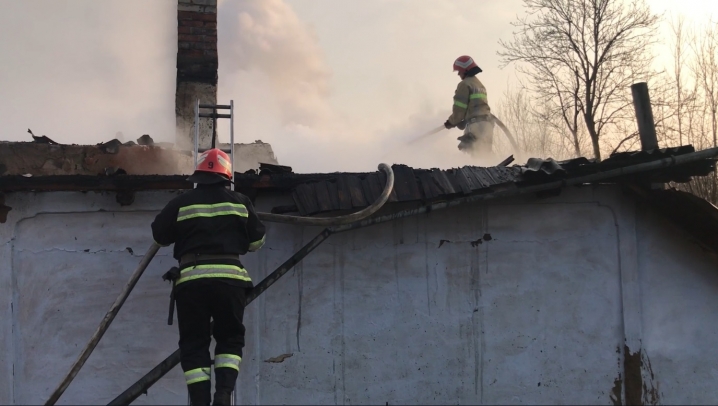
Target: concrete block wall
x=583 y=298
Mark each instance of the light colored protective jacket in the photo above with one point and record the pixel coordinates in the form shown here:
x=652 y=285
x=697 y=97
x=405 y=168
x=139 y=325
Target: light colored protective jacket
x=470 y=101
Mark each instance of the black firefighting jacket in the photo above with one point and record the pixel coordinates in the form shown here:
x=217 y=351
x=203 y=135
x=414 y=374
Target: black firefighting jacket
x=210 y=221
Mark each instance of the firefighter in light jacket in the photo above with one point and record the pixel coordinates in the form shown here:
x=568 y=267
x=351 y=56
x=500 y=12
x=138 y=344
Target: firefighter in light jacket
x=471 y=110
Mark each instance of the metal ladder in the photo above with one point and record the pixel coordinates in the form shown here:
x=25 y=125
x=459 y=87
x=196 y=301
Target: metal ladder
x=214 y=116
x=197 y=150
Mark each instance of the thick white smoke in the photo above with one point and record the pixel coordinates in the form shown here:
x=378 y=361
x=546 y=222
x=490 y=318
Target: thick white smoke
x=81 y=71
x=395 y=73
x=332 y=85
x=265 y=48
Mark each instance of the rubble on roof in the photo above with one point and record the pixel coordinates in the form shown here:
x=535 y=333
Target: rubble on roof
x=145 y=140
x=45 y=159
x=125 y=168
x=41 y=139
x=345 y=191
x=49 y=166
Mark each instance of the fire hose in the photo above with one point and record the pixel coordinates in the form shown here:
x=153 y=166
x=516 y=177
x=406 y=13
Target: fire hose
x=339 y=220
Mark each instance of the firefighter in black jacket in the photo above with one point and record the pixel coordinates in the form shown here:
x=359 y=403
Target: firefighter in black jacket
x=210 y=226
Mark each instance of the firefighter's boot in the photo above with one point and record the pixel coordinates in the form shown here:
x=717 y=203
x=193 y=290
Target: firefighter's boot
x=200 y=393
x=467 y=141
x=225 y=380
x=222 y=398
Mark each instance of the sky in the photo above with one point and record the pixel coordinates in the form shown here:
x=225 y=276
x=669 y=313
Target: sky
x=332 y=85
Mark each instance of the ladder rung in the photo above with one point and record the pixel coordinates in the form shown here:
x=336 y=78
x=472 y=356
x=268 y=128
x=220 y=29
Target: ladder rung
x=218 y=107
x=211 y=115
x=225 y=150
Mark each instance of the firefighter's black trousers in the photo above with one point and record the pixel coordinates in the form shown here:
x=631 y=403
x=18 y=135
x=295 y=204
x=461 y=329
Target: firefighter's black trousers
x=198 y=301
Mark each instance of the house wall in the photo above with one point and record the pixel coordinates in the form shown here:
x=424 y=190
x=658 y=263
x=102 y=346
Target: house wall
x=517 y=301
x=678 y=286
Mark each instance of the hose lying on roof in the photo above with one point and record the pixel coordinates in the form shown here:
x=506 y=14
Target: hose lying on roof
x=339 y=220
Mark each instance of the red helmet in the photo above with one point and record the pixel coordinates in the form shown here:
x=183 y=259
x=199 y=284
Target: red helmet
x=464 y=63
x=213 y=166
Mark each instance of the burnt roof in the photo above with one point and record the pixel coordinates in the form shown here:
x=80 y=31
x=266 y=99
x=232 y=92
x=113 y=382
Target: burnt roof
x=327 y=192
x=41 y=158
x=344 y=191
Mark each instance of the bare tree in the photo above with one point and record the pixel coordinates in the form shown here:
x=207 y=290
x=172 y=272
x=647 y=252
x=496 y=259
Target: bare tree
x=705 y=68
x=678 y=27
x=706 y=71
x=565 y=107
x=537 y=130
x=582 y=56
x=687 y=110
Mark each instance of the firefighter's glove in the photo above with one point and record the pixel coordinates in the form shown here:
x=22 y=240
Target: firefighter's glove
x=172 y=275
x=448 y=125
x=461 y=125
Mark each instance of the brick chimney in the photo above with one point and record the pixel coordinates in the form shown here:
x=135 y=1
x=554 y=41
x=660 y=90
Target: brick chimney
x=197 y=64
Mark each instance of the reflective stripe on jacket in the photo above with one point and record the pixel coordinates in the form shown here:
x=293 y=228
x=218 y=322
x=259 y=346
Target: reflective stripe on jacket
x=470 y=101
x=212 y=210
x=193 y=272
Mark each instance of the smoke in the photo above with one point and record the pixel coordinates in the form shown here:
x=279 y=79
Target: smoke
x=353 y=100
x=82 y=71
x=337 y=87
x=268 y=52
x=333 y=86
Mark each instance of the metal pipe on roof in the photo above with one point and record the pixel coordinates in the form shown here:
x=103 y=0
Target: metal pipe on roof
x=644 y=116
x=141 y=386
x=104 y=325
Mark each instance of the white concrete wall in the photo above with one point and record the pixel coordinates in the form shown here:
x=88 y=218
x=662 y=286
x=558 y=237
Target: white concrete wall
x=423 y=310
x=63 y=264
x=679 y=291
